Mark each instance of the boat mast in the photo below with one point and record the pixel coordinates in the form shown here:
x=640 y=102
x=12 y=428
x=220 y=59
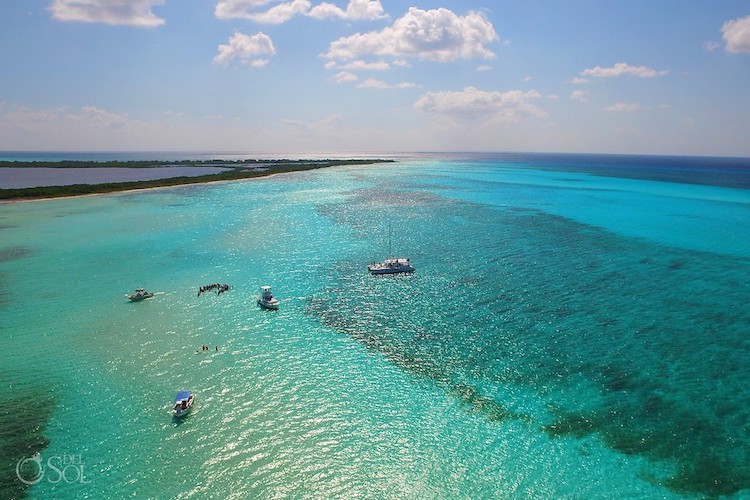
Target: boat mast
x=390 y=250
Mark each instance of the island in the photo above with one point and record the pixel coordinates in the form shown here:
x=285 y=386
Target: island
x=232 y=170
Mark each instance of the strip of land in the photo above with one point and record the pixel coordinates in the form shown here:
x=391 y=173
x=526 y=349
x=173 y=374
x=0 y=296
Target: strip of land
x=236 y=170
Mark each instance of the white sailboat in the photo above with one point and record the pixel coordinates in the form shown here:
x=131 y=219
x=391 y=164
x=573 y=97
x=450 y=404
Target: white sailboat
x=391 y=265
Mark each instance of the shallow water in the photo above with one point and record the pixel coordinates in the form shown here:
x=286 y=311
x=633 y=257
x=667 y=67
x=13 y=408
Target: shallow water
x=565 y=335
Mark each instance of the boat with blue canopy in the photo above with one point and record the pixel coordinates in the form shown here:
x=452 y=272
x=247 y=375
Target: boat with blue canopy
x=183 y=402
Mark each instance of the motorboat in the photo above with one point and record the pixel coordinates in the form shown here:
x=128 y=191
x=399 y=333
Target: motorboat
x=391 y=266
x=267 y=300
x=183 y=403
x=139 y=294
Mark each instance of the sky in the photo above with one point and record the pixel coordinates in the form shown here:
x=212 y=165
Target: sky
x=591 y=76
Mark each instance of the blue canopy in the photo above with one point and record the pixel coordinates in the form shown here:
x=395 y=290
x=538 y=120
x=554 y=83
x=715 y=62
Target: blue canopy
x=182 y=395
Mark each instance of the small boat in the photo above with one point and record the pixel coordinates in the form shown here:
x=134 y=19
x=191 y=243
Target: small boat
x=183 y=402
x=139 y=294
x=267 y=300
x=391 y=266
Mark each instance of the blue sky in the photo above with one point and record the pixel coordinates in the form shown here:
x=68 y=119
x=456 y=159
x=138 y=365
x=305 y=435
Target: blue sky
x=667 y=77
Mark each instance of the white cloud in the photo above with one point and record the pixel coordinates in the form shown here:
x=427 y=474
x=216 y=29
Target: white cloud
x=247 y=9
x=286 y=10
x=355 y=10
x=623 y=107
x=283 y=12
x=345 y=76
x=328 y=126
x=472 y=105
x=372 y=83
x=127 y=12
x=87 y=116
x=62 y=127
x=246 y=48
x=580 y=81
x=579 y=95
x=737 y=35
x=365 y=66
x=100 y=117
x=91 y=128
x=435 y=35
x=233 y=9
x=711 y=46
x=620 y=69
x=258 y=63
x=484 y=67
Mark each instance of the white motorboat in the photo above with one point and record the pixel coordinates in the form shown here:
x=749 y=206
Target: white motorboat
x=139 y=294
x=183 y=403
x=267 y=300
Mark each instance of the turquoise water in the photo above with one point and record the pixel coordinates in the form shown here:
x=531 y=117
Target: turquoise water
x=565 y=335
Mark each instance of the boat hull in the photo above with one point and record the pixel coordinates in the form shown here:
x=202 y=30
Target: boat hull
x=392 y=270
x=139 y=298
x=182 y=405
x=182 y=413
x=391 y=266
x=268 y=305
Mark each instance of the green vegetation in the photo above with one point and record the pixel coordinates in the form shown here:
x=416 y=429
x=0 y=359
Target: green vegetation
x=249 y=163
x=244 y=169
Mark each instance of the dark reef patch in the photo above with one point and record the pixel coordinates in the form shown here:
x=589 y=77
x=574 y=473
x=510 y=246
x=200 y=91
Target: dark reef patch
x=13 y=253
x=25 y=410
x=407 y=358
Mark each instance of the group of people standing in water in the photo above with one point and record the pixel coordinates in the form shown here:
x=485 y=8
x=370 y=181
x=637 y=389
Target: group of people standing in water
x=216 y=286
x=219 y=290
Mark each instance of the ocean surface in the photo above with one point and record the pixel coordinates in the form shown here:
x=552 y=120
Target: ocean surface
x=578 y=326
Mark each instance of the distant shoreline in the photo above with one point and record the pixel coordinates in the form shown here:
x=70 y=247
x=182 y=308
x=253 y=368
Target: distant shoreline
x=237 y=170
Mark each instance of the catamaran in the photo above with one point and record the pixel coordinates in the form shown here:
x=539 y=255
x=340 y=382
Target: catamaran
x=391 y=265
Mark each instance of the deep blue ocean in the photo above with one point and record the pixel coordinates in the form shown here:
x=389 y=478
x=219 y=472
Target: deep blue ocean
x=577 y=327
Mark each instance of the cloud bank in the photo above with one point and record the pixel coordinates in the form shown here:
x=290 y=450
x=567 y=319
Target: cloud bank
x=621 y=69
x=114 y=12
x=284 y=11
x=623 y=107
x=472 y=105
